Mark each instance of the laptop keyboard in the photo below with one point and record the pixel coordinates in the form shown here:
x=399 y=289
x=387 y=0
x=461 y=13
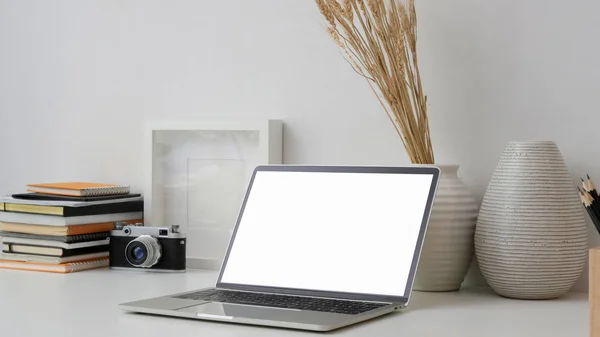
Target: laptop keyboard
x=283 y=301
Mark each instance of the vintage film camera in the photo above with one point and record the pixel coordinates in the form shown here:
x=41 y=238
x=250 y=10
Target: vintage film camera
x=147 y=248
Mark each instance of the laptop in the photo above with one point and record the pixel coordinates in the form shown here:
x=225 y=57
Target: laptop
x=316 y=248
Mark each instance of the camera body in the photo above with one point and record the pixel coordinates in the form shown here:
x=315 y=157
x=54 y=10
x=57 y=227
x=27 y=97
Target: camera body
x=147 y=248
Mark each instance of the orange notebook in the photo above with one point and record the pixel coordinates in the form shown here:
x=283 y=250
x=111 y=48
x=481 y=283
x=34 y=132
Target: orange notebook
x=60 y=230
x=62 y=268
x=79 y=189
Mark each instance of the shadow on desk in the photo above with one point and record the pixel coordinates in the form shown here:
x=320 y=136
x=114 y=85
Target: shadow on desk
x=469 y=297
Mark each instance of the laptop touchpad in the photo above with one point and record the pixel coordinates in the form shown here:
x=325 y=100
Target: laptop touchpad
x=210 y=309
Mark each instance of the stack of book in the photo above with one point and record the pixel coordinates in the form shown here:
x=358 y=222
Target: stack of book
x=63 y=227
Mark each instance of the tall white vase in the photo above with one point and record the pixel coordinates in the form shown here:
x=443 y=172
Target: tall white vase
x=531 y=236
x=448 y=247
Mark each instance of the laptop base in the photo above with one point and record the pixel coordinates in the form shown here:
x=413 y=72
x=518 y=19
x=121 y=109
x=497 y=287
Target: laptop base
x=250 y=314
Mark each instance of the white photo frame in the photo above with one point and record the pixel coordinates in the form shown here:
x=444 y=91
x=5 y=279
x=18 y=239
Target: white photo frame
x=196 y=175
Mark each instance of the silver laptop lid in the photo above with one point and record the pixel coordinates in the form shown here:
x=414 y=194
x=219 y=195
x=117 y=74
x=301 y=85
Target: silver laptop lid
x=339 y=232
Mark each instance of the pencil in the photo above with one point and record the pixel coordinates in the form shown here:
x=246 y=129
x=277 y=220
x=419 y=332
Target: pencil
x=594 y=204
x=588 y=202
x=592 y=196
x=591 y=188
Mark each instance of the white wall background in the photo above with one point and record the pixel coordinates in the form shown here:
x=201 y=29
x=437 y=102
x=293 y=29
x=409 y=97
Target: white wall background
x=78 y=78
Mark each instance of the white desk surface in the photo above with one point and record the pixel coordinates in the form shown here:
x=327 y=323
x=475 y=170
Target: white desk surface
x=85 y=304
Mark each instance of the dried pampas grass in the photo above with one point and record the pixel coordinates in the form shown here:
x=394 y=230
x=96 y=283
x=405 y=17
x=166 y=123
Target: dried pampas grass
x=379 y=40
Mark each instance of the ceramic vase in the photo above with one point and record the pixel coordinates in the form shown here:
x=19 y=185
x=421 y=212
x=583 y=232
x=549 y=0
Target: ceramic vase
x=448 y=246
x=531 y=236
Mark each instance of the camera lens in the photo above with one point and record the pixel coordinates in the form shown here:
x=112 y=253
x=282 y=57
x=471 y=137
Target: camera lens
x=145 y=251
x=138 y=253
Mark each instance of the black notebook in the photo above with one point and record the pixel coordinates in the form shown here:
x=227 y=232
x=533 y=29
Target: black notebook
x=50 y=251
x=67 y=211
x=66 y=239
x=41 y=196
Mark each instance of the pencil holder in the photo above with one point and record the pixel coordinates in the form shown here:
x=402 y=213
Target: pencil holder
x=594 y=292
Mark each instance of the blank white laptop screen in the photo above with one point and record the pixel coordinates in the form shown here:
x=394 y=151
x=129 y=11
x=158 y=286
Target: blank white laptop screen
x=342 y=232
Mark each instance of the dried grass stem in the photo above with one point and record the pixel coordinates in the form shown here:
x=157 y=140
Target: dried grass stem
x=379 y=40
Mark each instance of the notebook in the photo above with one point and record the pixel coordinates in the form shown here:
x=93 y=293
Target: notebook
x=65 y=200
x=51 y=251
x=52 y=243
x=59 y=230
x=62 y=268
x=68 y=239
x=50 y=259
x=79 y=189
x=66 y=211
x=53 y=220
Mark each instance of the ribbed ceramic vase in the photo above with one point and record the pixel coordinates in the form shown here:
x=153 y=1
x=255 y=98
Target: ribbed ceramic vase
x=531 y=236
x=448 y=246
